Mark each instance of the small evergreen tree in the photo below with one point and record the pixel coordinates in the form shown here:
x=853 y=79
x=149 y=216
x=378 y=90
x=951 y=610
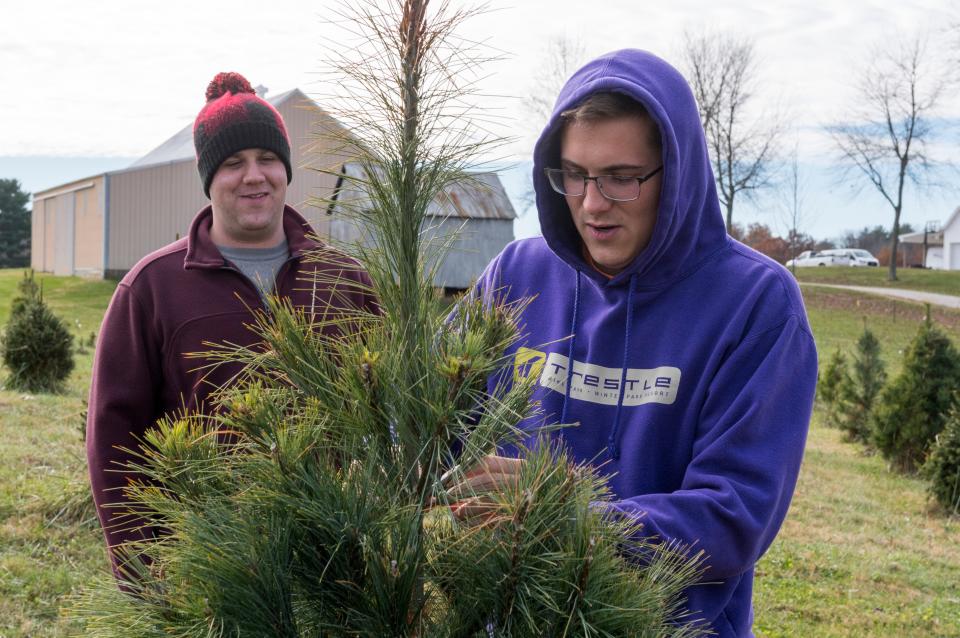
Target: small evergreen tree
x=859 y=391
x=37 y=347
x=913 y=408
x=327 y=512
x=830 y=386
x=943 y=465
x=28 y=291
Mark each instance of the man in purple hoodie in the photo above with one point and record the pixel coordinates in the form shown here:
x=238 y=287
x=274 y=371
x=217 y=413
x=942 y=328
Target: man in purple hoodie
x=683 y=357
x=245 y=245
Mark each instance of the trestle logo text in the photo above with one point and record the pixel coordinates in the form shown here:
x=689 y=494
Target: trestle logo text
x=598 y=384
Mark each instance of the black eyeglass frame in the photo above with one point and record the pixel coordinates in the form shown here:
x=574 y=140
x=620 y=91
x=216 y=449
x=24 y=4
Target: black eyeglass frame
x=586 y=178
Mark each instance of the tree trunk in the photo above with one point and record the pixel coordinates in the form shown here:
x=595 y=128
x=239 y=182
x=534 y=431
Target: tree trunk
x=894 y=244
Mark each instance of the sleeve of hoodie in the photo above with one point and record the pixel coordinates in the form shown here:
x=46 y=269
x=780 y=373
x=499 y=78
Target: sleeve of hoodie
x=746 y=456
x=123 y=403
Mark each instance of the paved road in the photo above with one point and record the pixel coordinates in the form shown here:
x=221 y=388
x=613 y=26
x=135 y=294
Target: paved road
x=948 y=301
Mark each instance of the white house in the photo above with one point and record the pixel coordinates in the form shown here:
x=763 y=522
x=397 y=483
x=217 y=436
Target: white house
x=943 y=245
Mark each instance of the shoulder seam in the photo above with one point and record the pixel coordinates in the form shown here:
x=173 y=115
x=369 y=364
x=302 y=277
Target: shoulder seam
x=790 y=317
x=135 y=295
x=148 y=261
x=779 y=273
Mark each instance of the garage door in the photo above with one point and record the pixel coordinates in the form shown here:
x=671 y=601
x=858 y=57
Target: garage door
x=63 y=240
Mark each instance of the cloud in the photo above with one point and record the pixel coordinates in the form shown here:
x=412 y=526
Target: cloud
x=14 y=49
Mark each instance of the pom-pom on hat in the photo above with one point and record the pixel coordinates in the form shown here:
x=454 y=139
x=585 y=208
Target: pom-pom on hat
x=236 y=118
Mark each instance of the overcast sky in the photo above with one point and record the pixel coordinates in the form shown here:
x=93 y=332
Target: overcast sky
x=116 y=78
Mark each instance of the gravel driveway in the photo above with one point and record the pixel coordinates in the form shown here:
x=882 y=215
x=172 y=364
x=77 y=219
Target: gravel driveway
x=936 y=299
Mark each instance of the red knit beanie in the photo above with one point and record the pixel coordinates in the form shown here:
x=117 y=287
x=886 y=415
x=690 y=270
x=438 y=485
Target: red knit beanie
x=236 y=118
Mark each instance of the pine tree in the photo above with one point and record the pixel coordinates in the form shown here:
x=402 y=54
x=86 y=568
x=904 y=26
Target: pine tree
x=831 y=383
x=14 y=225
x=859 y=391
x=37 y=347
x=326 y=511
x=913 y=408
x=942 y=468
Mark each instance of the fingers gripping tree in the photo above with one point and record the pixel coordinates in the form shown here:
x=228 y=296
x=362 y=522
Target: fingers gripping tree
x=316 y=501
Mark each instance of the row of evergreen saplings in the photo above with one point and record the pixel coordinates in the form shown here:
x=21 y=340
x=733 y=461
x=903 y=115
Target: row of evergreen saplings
x=914 y=420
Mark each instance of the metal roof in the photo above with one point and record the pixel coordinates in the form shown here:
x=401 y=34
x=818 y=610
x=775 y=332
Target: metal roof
x=180 y=146
x=932 y=239
x=482 y=196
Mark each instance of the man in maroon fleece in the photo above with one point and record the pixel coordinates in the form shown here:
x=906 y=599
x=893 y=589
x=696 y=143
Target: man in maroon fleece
x=245 y=245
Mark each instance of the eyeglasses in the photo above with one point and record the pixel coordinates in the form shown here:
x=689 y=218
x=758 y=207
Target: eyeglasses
x=619 y=188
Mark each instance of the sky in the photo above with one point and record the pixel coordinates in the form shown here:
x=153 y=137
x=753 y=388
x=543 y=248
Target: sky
x=90 y=87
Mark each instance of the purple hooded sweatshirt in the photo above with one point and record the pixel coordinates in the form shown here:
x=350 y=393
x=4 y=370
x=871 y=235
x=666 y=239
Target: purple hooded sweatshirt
x=693 y=370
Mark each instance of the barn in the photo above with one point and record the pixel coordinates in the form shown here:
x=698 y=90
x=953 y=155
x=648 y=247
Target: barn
x=102 y=225
x=466 y=226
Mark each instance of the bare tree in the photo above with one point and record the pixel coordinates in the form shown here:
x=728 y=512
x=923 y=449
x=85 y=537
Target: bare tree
x=794 y=211
x=891 y=123
x=722 y=71
x=562 y=55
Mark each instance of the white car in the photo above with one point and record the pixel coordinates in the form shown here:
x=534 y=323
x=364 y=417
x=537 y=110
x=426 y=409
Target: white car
x=833 y=257
x=853 y=257
x=811 y=258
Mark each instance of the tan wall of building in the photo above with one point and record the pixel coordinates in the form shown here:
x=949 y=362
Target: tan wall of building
x=88 y=230
x=67 y=233
x=49 y=233
x=37 y=222
x=310 y=129
x=149 y=208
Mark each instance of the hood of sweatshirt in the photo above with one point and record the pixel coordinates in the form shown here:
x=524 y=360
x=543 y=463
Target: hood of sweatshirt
x=689 y=224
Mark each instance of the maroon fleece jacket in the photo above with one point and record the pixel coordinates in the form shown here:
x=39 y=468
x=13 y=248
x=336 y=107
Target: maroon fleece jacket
x=173 y=301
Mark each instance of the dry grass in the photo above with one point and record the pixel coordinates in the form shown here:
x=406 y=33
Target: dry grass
x=50 y=544
x=862 y=553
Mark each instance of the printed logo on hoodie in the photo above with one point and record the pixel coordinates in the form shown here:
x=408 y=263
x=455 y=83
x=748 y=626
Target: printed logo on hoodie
x=598 y=384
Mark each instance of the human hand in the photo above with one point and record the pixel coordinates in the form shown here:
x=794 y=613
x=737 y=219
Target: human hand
x=474 y=503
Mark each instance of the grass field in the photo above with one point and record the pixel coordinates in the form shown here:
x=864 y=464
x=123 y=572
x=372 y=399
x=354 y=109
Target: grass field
x=941 y=281
x=862 y=552
x=50 y=542
x=74 y=299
